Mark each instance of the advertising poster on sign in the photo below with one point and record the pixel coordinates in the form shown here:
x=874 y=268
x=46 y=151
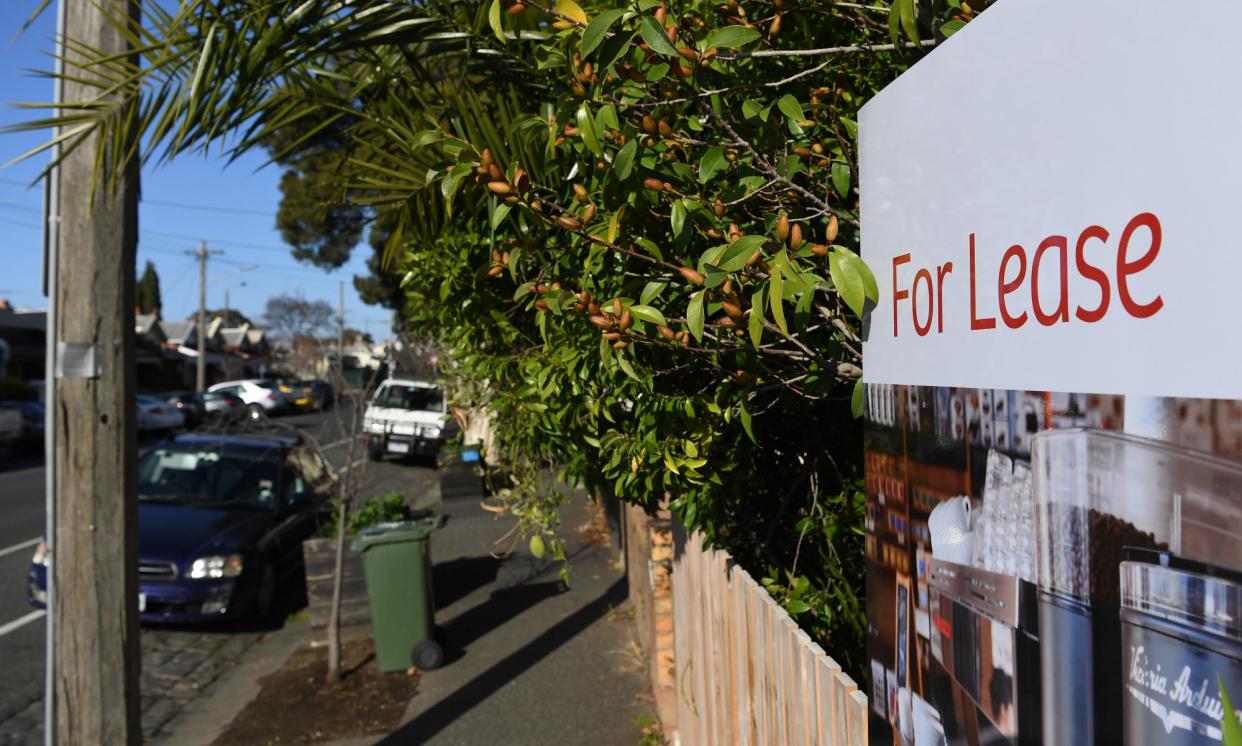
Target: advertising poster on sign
x=1054 y=386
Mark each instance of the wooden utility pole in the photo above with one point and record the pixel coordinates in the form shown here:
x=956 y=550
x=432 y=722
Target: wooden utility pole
x=95 y=560
x=340 y=334
x=200 y=334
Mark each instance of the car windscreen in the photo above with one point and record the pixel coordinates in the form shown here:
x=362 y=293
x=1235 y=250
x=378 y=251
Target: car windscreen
x=413 y=398
x=208 y=477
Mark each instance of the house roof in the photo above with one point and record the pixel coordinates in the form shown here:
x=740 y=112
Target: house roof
x=233 y=337
x=24 y=320
x=177 y=331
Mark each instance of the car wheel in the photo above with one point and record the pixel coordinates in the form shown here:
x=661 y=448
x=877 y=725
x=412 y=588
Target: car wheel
x=427 y=655
x=267 y=593
x=255 y=411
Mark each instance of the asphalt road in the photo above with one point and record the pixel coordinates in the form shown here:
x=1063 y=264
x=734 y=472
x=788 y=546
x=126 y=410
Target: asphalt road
x=167 y=655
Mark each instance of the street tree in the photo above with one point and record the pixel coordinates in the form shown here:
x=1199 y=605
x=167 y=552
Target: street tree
x=148 y=290
x=289 y=317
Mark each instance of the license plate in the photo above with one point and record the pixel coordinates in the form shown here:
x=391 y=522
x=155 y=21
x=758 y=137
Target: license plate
x=398 y=447
x=142 y=602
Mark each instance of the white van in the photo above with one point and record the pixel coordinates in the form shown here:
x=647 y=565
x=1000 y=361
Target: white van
x=407 y=416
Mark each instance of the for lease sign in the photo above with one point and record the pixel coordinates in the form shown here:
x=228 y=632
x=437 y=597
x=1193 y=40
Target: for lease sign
x=1054 y=202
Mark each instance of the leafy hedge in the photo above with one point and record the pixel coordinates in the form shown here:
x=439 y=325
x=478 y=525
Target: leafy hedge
x=633 y=230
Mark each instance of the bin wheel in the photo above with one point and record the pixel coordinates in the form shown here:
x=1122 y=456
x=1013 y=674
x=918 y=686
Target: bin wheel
x=427 y=655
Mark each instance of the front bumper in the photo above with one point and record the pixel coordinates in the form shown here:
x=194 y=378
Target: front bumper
x=401 y=444
x=182 y=601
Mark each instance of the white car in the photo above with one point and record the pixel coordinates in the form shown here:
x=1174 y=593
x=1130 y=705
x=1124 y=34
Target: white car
x=407 y=416
x=157 y=415
x=261 y=395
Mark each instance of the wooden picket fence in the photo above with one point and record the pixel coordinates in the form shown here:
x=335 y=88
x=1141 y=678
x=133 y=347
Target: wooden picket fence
x=746 y=674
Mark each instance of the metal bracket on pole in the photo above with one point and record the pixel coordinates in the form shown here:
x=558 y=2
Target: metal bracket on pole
x=77 y=360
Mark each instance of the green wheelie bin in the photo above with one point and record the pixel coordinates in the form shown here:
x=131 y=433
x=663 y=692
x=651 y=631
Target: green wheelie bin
x=396 y=561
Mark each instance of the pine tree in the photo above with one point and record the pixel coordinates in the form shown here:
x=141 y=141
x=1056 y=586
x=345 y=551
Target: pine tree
x=148 y=290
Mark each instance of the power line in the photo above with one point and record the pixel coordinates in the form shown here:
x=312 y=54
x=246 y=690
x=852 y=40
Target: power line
x=209 y=208
x=166 y=203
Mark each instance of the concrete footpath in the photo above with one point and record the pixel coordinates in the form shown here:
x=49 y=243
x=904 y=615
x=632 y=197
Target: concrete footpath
x=529 y=660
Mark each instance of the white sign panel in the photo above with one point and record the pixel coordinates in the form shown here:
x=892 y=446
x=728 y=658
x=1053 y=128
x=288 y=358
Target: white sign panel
x=1054 y=202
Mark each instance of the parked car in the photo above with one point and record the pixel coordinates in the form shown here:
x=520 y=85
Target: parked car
x=261 y=395
x=222 y=406
x=189 y=404
x=407 y=416
x=155 y=415
x=298 y=395
x=11 y=427
x=31 y=413
x=221 y=521
x=323 y=397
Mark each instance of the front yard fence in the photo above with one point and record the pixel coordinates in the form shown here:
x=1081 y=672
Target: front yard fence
x=745 y=673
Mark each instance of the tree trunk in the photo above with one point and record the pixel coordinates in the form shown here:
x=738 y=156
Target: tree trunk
x=334 y=615
x=95 y=614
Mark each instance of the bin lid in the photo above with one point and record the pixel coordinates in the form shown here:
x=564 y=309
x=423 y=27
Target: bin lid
x=395 y=532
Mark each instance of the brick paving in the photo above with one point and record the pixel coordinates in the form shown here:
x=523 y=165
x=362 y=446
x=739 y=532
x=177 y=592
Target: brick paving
x=177 y=665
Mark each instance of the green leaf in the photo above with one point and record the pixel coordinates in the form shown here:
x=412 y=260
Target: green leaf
x=607 y=118
x=797 y=606
x=870 y=288
x=755 y=322
x=851 y=127
x=648 y=314
x=849 y=283
x=790 y=107
x=856 y=403
x=652 y=291
x=841 y=178
x=712 y=163
x=624 y=161
x=536 y=546
x=656 y=37
x=894 y=22
x=906 y=8
x=614 y=48
x=650 y=247
x=751 y=108
x=730 y=37
x=614 y=224
x=739 y=252
x=597 y=30
x=744 y=416
x=694 y=315
x=677 y=217
x=586 y=127
x=1232 y=731
x=951 y=28
x=499 y=213
x=493 y=20
x=626 y=368
x=776 y=299
x=571 y=9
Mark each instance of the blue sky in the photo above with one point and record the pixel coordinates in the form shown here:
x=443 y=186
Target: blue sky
x=192 y=198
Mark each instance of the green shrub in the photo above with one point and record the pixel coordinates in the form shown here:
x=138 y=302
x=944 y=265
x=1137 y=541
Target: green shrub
x=379 y=509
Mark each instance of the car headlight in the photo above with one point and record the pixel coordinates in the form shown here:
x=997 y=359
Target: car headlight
x=41 y=555
x=431 y=431
x=218 y=566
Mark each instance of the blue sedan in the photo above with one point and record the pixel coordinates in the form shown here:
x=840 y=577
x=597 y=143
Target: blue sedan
x=221 y=521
